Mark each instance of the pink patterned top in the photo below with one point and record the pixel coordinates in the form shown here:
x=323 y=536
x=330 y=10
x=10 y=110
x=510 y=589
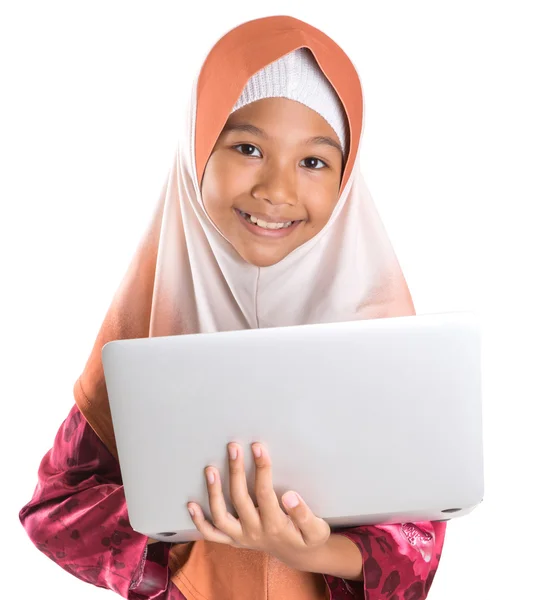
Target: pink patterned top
x=78 y=518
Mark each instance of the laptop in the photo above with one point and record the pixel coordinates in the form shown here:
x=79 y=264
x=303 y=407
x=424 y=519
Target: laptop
x=372 y=422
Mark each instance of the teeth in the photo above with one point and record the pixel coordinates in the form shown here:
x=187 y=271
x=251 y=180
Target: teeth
x=265 y=224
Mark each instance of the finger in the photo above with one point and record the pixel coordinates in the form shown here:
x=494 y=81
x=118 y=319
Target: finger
x=222 y=519
x=207 y=530
x=315 y=531
x=239 y=494
x=273 y=518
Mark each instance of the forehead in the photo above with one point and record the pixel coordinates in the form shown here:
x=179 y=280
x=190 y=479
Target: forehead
x=281 y=117
x=282 y=137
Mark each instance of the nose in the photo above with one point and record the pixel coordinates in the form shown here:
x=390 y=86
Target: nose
x=276 y=184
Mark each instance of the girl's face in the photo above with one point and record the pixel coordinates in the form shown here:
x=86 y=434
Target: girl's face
x=272 y=180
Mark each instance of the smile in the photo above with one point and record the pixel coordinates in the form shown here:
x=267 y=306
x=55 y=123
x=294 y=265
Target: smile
x=264 y=224
x=260 y=227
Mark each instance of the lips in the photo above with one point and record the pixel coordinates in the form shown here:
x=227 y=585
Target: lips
x=265 y=224
x=266 y=228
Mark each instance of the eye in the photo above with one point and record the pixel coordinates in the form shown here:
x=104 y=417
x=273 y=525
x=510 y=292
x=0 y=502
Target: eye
x=311 y=163
x=248 y=150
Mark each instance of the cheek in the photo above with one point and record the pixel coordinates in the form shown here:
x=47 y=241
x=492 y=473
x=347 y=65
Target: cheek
x=222 y=184
x=320 y=204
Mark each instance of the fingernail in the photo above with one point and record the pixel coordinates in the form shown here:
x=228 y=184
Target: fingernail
x=291 y=500
x=233 y=452
x=210 y=476
x=257 y=451
x=191 y=510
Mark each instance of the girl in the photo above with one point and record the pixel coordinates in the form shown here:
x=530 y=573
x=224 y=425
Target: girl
x=264 y=221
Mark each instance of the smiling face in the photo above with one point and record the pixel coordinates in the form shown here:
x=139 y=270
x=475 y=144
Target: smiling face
x=272 y=180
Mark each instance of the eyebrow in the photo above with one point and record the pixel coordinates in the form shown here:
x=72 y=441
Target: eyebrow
x=249 y=128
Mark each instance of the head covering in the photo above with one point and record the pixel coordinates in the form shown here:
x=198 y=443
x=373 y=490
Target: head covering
x=185 y=277
x=298 y=77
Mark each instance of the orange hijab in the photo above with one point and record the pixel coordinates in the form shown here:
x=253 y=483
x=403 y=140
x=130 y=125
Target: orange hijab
x=183 y=262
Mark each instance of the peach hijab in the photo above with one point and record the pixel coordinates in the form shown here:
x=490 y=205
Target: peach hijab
x=186 y=278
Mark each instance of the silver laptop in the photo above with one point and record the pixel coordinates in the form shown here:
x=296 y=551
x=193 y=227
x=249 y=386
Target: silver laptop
x=372 y=422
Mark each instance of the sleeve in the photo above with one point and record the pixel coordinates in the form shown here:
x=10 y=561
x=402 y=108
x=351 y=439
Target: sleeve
x=78 y=518
x=399 y=561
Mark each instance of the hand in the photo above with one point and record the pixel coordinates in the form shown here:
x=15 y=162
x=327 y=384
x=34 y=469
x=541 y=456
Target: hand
x=290 y=536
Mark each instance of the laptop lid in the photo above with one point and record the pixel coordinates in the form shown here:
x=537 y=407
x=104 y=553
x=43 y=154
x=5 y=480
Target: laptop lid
x=374 y=421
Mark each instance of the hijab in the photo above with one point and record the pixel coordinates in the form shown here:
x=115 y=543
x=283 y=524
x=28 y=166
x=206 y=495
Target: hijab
x=185 y=277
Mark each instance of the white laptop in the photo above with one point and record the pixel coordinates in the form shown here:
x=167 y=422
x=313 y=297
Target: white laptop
x=372 y=422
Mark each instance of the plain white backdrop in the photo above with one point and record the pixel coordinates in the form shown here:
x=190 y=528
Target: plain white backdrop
x=457 y=152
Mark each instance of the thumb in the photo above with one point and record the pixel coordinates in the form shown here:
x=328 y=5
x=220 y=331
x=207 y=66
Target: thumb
x=315 y=531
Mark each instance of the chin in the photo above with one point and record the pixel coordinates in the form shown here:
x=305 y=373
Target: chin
x=259 y=260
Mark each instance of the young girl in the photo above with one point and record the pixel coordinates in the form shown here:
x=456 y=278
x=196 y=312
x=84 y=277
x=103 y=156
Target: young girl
x=264 y=221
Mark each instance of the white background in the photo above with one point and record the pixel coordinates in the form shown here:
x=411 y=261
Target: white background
x=457 y=152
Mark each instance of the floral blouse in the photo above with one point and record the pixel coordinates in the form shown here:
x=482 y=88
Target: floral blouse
x=78 y=518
